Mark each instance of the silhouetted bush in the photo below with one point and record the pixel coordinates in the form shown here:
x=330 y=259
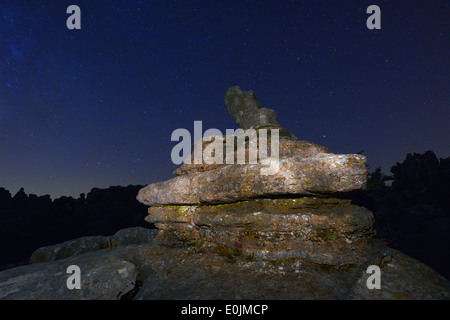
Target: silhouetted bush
x=28 y=222
x=413 y=215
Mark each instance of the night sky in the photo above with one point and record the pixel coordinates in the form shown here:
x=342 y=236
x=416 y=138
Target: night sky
x=96 y=107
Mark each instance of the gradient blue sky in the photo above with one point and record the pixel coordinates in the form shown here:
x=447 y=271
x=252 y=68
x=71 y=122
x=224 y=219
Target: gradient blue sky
x=96 y=107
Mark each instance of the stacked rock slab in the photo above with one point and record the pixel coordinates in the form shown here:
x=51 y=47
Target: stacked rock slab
x=291 y=213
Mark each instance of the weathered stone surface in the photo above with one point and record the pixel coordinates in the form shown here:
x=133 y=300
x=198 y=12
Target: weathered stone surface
x=103 y=277
x=135 y=235
x=323 y=230
x=69 y=248
x=403 y=277
x=197 y=272
x=287 y=148
x=322 y=173
x=192 y=274
x=246 y=109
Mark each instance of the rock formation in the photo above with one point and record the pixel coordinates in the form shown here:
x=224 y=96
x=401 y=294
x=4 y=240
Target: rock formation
x=246 y=109
x=235 y=231
x=291 y=213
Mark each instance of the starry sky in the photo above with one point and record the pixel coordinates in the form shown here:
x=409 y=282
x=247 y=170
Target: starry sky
x=96 y=107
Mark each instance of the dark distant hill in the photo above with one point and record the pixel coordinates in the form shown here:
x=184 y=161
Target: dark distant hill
x=28 y=222
x=413 y=214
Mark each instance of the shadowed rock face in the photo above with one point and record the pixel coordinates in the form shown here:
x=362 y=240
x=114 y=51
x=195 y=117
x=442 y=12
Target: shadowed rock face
x=83 y=245
x=104 y=277
x=246 y=109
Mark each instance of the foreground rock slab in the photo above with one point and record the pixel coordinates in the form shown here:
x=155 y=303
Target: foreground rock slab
x=134 y=235
x=150 y=271
x=105 y=278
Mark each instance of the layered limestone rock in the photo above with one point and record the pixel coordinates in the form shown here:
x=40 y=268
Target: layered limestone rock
x=290 y=212
x=322 y=230
x=296 y=176
x=286 y=148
